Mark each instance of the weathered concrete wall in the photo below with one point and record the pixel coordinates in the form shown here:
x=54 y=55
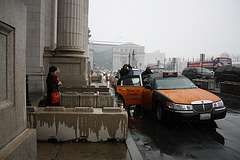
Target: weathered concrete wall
x=81 y=89
x=87 y=99
x=70 y=100
x=230 y=87
x=91 y=124
x=105 y=99
x=13 y=18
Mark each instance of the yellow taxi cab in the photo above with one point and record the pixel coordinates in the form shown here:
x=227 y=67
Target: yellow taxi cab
x=170 y=95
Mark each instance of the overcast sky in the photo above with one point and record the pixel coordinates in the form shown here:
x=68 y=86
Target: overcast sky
x=179 y=28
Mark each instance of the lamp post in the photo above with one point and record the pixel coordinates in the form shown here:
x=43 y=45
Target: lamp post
x=129 y=57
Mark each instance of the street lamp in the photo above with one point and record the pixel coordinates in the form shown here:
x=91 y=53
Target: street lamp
x=129 y=56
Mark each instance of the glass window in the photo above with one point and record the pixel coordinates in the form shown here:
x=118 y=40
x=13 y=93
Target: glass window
x=203 y=70
x=225 y=61
x=174 y=83
x=131 y=81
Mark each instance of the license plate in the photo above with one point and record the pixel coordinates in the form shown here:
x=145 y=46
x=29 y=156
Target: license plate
x=205 y=116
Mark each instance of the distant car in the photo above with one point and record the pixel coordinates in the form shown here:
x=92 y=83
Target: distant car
x=227 y=73
x=108 y=75
x=169 y=96
x=195 y=73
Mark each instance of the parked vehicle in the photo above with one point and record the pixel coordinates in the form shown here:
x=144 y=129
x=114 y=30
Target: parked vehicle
x=226 y=73
x=170 y=96
x=194 y=73
x=212 y=65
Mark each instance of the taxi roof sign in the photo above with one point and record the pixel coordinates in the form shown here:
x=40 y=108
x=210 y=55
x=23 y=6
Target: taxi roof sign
x=170 y=74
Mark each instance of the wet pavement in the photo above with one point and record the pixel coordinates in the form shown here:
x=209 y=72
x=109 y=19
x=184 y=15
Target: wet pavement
x=82 y=150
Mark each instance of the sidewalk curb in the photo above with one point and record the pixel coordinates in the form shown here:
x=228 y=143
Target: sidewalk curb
x=132 y=148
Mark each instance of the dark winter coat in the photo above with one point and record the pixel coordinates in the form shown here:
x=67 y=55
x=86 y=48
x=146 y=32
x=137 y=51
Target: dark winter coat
x=146 y=72
x=51 y=82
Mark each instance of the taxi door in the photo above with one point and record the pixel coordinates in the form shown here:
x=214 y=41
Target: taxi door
x=148 y=83
x=130 y=87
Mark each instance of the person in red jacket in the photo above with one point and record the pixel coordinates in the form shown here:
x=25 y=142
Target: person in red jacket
x=52 y=83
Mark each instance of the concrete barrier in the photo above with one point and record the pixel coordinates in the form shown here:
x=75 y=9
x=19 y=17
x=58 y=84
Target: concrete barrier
x=81 y=89
x=79 y=123
x=230 y=88
x=88 y=99
x=70 y=99
x=205 y=84
x=105 y=99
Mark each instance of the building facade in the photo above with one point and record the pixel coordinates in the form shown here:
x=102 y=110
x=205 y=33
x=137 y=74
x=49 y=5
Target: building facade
x=16 y=140
x=113 y=55
x=57 y=34
x=155 y=58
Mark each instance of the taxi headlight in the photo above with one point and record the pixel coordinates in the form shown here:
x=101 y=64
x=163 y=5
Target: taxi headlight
x=186 y=107
x=218 y=104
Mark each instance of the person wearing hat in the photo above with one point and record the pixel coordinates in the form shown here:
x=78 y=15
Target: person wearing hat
x=126 y=70
x=52 y=83
x=147 y=71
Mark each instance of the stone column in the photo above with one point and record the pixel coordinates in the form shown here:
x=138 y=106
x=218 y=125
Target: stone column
x=70 y=26
x=70 y=56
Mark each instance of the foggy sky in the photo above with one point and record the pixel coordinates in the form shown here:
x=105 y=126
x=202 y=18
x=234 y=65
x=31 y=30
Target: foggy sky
x=180 y=28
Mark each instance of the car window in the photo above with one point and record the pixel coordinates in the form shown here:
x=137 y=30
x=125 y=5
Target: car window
x=174 y=83
x=130 y=81
x=203 y=70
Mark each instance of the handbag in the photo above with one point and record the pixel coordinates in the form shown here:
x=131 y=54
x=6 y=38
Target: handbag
x=55 y=96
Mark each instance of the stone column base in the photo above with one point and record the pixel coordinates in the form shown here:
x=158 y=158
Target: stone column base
x=72 y=68
x=24 y=146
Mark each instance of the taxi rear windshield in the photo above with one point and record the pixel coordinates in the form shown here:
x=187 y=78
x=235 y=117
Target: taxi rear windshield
x=174 y=83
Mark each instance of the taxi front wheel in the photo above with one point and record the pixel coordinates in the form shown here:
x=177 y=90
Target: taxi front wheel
x=159 y=113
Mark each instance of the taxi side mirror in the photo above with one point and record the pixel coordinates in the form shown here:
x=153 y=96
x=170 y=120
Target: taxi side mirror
x=148 y=86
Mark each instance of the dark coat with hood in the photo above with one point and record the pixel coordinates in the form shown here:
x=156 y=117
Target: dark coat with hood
x=51 y=83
